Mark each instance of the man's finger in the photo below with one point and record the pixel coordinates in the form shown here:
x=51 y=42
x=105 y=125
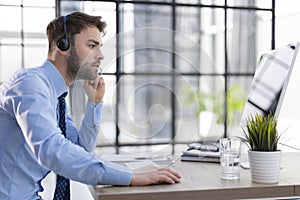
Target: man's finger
x=95 y=82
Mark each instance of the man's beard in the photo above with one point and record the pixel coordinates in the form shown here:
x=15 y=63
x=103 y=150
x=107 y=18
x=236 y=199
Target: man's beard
x=77 y=71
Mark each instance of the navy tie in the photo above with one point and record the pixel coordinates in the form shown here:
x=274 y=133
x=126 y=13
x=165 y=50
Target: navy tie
x=62 y=189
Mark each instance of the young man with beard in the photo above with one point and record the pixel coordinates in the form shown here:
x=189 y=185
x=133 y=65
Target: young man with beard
x=36 y=133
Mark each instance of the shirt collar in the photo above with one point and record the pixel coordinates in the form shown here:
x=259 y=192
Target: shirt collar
x=56 y=78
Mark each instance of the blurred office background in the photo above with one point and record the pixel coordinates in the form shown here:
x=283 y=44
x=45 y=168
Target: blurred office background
x=168 y=64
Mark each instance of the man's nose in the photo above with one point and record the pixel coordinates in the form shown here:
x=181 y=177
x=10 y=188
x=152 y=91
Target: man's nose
x=100 y=55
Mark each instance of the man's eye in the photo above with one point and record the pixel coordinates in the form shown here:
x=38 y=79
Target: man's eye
x=92 y=46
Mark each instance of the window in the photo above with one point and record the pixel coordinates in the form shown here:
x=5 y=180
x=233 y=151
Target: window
x=170 y=63
x=23 y=41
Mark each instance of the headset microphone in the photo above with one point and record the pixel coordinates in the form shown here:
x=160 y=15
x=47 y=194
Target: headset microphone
x=63 y=42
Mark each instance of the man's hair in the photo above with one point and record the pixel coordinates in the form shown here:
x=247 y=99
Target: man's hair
x=75 y=23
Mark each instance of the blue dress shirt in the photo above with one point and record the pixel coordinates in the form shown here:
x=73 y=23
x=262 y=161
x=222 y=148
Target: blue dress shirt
x=31 y=143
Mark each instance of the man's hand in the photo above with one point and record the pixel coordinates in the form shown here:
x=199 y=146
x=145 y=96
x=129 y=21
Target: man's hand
x=95 y=89
x=160 y=175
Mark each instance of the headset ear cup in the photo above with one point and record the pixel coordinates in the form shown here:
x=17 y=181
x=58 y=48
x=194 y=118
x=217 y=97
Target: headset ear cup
x=63 y=44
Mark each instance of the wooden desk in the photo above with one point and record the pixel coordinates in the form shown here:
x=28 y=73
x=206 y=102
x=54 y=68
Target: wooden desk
x=202 y=181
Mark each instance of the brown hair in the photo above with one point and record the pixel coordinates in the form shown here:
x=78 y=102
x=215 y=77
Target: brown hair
x=75 y=23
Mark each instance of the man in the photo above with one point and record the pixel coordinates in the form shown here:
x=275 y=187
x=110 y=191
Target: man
x=36 y=134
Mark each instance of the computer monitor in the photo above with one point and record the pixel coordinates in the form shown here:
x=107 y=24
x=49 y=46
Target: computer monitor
x=270 y=82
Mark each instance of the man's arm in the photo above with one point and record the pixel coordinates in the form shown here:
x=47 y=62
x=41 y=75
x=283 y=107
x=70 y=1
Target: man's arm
x=86 y=136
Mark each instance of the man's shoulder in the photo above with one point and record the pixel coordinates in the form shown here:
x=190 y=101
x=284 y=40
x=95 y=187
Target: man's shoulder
x=34 y=79
x=33 y=75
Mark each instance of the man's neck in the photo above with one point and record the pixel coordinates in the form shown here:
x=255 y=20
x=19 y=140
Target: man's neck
x=60 y=62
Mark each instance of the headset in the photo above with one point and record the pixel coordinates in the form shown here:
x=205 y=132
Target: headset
x=63 y=43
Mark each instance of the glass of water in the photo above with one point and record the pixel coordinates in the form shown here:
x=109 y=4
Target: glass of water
x=230 y=152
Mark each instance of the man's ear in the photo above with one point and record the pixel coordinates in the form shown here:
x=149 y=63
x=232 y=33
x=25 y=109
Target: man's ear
x=64 y=53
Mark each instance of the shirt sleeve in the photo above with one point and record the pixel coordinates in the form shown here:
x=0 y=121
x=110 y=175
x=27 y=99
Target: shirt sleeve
x=36 y=116
x=90 y=126
x=87 y=135
x=82 y=166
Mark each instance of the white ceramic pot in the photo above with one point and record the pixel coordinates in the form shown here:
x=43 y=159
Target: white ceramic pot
x=264 y=166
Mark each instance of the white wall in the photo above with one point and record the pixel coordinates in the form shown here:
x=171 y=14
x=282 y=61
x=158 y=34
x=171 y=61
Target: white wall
x=287 y=22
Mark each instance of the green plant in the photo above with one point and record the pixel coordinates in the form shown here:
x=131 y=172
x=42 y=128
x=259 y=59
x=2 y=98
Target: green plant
x=205 y=101
x=236 y=98
x=261 y=133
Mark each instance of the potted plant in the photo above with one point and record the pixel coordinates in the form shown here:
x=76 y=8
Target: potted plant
x=262 y=138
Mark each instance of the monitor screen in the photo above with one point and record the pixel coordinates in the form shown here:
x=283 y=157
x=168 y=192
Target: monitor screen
x=270 y=82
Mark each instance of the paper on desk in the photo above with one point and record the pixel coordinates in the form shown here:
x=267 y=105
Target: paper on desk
x=119 y=157
x=136 y=157
x=142 y=166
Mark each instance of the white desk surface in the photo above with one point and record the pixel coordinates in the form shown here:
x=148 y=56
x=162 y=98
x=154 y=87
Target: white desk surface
x=202 y=181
